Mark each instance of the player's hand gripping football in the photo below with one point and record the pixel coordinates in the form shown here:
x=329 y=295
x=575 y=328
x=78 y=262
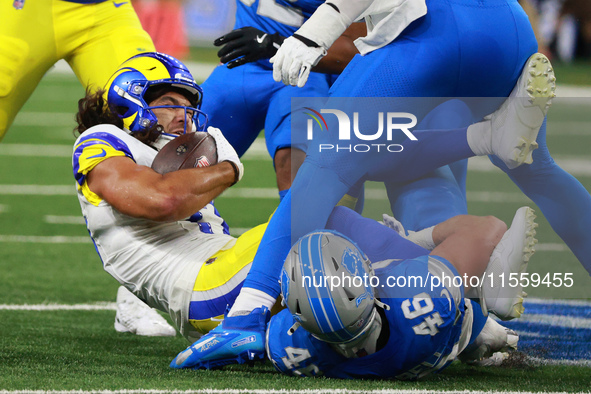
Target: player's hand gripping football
x=247 y=44
x=294 y=60
x=226 y=152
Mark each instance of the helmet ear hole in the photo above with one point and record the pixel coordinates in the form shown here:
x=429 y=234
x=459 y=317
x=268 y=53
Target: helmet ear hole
x=349 y=294
x=298 y=311
x=121 y=110
x=336 y=265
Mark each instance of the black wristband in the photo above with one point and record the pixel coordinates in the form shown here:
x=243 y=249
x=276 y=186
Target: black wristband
x=306 y=41
x=236 y=171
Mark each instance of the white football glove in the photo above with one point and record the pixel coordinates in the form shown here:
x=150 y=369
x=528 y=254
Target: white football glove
x=225 y=151
x=294 y=60
x=390 y=221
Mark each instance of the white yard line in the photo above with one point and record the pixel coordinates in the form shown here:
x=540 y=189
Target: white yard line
x=63 y=239
x=575 y=165
x=56 y=239
x=257 y=151
x=271 y=391
x=45 y=119
x=100 y=306
x=54 y=219
x=201 y=71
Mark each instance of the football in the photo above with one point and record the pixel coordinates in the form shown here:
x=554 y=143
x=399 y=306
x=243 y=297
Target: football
x=195 y=149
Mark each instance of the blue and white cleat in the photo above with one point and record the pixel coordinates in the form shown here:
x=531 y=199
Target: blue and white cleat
x=237 y=340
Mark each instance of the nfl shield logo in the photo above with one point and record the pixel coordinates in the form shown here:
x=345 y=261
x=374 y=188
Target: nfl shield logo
x=18 y=4
x=202 y=162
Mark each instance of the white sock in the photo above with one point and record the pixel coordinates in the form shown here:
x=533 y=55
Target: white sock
x=249 y=299
x=480 y=138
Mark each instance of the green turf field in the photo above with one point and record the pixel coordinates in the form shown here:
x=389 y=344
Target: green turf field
x=46 y=258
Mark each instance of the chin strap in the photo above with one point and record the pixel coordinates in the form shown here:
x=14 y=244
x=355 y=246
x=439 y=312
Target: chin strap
x=379 y=303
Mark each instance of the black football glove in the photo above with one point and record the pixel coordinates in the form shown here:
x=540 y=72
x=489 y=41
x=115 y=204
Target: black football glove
x=247 y=44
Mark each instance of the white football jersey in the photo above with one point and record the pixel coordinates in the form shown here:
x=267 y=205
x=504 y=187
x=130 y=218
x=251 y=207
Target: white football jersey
x=157 y=261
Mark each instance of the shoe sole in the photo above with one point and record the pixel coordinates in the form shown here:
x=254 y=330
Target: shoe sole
x=241 y=358
x=540 y=90
x=516 y=308
x=121 y=328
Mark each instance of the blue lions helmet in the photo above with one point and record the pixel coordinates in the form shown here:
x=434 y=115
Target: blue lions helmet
x=325 y=283
x=127 y=90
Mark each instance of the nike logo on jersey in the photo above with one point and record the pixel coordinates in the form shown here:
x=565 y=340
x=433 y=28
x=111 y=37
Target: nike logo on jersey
x=117 y=5
x=260 y=39
x=102 y=154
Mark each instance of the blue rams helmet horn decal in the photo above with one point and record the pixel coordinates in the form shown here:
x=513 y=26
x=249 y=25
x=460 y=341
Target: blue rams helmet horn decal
x=128 y=89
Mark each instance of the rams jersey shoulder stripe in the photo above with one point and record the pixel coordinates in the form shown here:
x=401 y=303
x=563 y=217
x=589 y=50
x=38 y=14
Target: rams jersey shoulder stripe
x=91 y=150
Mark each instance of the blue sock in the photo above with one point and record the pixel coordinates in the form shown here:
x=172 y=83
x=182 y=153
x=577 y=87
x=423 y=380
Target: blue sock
x=267 y=264
x=479 y=320
x=565 y=203
x=282 y=194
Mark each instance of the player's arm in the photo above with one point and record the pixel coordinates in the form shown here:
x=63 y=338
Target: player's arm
x=342 y=51
x=309 y=44
x=139 y=191
x=466 y=241
x=249 y=44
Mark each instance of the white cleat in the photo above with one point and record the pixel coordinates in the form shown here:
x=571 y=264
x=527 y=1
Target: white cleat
x=491 y=346
x=134 y=316
x=515 y=125
x=502 y=295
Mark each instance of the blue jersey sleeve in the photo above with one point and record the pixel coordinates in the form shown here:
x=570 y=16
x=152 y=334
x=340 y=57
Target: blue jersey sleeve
x=275 y=16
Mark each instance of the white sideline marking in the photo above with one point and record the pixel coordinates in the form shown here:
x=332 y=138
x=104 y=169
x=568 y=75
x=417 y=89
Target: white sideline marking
x=258 y=192
x=543 y=361
x=236 y=231
x=575 y=165
x=79 y=220
x=557 y=302
x=56 y=239
x=52 y=219
x=100 y=306
x=556 y=321
x=38 y=190
x=38 y=150
x=257 y=151
x=202 y=70
x=45 y=119
x=269 y=391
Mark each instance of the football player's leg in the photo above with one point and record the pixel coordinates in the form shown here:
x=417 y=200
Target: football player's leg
x=489 y=340
x=287 y=148
x=376 y=240
x=428 y=201
x=218 y=283
x=100 y=40
x=236 y=101
x=27 y=51
x=569 y=209
x=438 y=196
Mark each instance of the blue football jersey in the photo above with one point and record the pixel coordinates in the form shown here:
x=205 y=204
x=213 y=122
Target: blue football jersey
x=423 y=322
x=275 y=16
